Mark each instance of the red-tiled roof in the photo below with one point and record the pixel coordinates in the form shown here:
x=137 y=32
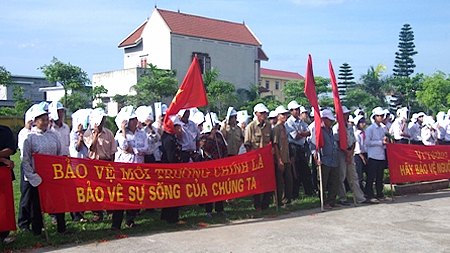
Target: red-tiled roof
x=280 y=73
x=196 y=26
x=201 y=27
x=134 y=37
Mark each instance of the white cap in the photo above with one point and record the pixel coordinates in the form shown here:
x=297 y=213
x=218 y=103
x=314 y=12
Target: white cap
x=198 y=118
x=164 y=108
x=272 y=114
x=230 y=112
x=440 y=117
x=421 y=114
x=126 y=113
x=303 y=109
x=260 y=108
x=176 y=120
x=144 y=112
x=81 y=116
x=357 y=119
x=29 y=114
x=53 y=109
x=350 y=118
x=327 y=114
x=377 y=111
x=358 y=111
x=182 y=112
x=386 y=112
x=280 y=110
x=242 y=116
x=345 y=109
x=36 y=111
x=293 y=105
x=96 y=116
x=210 y=117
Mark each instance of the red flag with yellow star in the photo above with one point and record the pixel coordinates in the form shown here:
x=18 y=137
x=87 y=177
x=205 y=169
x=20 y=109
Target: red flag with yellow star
x=190 y=94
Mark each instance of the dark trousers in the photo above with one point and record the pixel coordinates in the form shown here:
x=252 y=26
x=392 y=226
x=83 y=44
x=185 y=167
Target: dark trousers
x=361 y=168
x=170 y=214
x=300 y=170
x=117 y=217
x=218 y=206
x=149 y=158
x=24 y=219
x=375 y=172
x=284 y=184
x=417 y=142
x=262 y=203
x=330 y=182
x=402 y=141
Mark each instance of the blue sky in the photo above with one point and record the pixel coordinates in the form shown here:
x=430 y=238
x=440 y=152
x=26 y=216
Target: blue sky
x=362 y=33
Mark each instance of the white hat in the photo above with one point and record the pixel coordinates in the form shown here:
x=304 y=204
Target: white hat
x=208 y=126
x=280 y=110
x=144 y=112
x=386 y=112
x=36 y=111
x=440 y=117
x=176 y=120
x=293 y=105
x=377 y=111
x=198 y=118
x=414 y=117
x=28 y=113
x=126 y=113
x=260 y=108
x=272 y=114
x=53 y=109
x=358 y=111
x=428 y=120
x=421 y=114
x=350 y=118
x=242 y=116
x=230 y=112
x=164 y=108
x=345 y=109
x=96 y=116
x=327 y=114
x=357 y=119
x=303 y=109
x=181 y=112
x=81 y=116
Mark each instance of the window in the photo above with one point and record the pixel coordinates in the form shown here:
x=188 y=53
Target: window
x=203 y=60
x=143 y=62
x=267 y=84
x=277 y=85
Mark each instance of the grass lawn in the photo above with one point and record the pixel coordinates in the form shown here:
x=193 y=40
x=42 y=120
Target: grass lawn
x=148 y=221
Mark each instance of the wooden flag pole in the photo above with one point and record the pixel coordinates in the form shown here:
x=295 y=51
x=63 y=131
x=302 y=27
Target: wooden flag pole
x=322 y=191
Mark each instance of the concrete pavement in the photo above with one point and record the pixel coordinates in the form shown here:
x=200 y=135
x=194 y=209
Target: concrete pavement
x=414 y=223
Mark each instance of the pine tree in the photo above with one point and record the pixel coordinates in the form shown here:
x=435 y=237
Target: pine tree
x=404 y=63
x=346 y=75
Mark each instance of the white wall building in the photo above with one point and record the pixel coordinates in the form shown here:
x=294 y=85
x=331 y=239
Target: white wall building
x=170 y=40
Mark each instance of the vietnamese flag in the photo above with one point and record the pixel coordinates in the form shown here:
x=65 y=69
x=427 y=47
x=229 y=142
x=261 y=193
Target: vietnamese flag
x=190 y=94
x=7 y=214
x=310 y=92
x=338 y=110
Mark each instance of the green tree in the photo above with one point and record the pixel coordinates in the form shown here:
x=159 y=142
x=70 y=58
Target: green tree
x=436 y=92
x=404 y=63
x=70 y=77
x=361 y=99
x=5 y=76
x=346 y=77
x=374 y=84
x=296 y=90
x=406 y=90
x=153 y=85
x=221 y=95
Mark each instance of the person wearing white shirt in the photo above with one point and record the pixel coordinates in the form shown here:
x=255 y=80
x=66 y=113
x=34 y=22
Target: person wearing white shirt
x=376 y=141
x=415 y=130
x=360 y=153
x=399 y=128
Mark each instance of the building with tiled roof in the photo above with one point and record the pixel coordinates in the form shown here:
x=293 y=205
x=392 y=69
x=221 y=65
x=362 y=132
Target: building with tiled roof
x=273 y=81
x=170 y=40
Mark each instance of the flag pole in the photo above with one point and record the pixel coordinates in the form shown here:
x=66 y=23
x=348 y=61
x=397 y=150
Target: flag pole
x=322 y=192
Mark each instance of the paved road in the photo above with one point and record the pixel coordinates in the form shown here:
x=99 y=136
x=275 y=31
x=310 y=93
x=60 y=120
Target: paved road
x=415 y=223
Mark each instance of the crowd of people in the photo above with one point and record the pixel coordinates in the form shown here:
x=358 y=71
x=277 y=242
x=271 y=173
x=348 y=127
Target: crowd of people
x=141 y=138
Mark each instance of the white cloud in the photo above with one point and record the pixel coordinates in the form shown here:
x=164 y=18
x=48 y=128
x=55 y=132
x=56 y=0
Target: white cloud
x=316 y=3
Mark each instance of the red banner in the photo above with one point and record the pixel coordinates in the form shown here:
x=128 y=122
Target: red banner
x=414 y=163
x=7 y=214
x=74 y=184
